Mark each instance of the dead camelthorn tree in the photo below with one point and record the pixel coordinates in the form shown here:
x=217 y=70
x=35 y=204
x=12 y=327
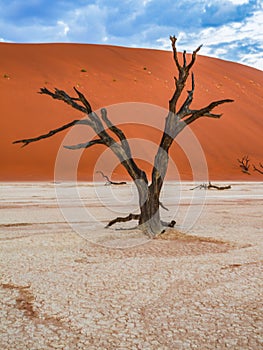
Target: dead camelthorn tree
x=210 y=186
x=258 y=169
x=177 y=119
x=244 y=164
x=108 y=181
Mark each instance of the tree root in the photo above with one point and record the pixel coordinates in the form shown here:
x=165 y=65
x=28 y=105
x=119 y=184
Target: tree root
x=124 y=219
x=168 y=224
x=137 y=217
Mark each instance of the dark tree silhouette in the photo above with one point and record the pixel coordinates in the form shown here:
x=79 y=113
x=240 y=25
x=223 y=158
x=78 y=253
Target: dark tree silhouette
x=210 y=187
x=244 y=164
x=259 y=169
x=108 y=181
x=177 y=119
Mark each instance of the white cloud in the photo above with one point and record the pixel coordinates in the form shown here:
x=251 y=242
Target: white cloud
x=86 y=24
x=64 y=28
x=239 y=2
x=254 y=60
x=235 y=38
x=142 y=23
x=2 y=40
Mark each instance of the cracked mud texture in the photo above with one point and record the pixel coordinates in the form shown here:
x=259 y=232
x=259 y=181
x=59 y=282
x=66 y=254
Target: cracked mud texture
x=115 y=289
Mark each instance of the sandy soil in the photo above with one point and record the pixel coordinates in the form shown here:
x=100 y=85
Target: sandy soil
x=110 y=75
x=69 y=283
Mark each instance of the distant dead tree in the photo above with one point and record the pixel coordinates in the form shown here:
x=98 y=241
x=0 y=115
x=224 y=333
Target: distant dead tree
x=210 y=186
x=244 y=164
x=178 y=117
x=257 y=169
x=108 y=181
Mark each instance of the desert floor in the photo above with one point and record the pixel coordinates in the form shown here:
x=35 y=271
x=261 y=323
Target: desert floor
x=69 y=283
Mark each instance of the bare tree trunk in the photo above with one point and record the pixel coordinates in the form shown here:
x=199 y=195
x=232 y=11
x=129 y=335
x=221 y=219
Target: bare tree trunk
x=150 y=220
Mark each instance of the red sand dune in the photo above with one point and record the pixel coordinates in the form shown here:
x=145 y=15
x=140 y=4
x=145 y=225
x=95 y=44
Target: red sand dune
x=110 y=75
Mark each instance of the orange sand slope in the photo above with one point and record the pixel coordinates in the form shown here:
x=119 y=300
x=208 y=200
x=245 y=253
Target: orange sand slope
x=110 y=75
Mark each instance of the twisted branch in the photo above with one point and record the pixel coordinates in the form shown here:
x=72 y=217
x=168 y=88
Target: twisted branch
x=109 y=182
x=117 y=131
x=206 y=111
x=63 y=96
x=53 y=132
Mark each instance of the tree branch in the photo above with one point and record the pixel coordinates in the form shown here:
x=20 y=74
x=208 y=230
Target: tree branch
x=175 y=121
x=53 y=132
x=190 y=65
x=84 y=101
x=184 y=110
x=173 y=41
x=63 y=96
x=206 y=111
x=220 y=188
x=183 y=73
x=121 y=151
x=209 y=186
x=184 y=58
x=125 y=219
x=257 y=169
x=118 y=132
x=109 y=182
x=86 y=144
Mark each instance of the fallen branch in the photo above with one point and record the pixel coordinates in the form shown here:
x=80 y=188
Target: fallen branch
x=210 y=186
x=218 y=187
x=109 y=182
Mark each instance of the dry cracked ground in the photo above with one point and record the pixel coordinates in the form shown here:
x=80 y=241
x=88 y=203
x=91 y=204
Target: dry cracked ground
x=68 y=283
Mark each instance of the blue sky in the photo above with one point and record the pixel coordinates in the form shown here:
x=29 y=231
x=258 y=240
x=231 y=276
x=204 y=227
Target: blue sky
x=229 y=29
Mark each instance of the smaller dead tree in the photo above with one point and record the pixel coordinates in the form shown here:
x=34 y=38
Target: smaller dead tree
x=108 y=181
x=257 y=169
x=210 y=186
x=244 y=164
x=220 y=188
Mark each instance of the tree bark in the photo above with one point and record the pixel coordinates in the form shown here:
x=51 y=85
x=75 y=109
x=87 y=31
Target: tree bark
x=150 y=220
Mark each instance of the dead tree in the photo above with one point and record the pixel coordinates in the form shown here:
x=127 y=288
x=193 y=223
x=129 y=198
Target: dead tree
x=220 y=188
x=244 y=164
x=210 y=186
x=108 y=181
x=177 y=119
x=257 y=169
